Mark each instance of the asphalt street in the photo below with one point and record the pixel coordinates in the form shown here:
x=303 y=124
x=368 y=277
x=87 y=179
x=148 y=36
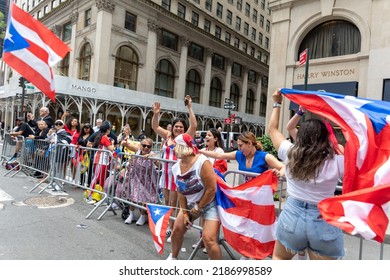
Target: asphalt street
x=61 y=231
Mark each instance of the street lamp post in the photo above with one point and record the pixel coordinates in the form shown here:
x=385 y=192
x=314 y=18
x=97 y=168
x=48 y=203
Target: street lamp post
x=230 y=106
x=22 y=84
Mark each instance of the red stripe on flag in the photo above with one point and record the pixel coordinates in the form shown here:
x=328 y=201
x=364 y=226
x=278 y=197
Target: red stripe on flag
x=252 y=211
x=45 y=34
x=303 y=57
x=30 y=74
x=247 y=246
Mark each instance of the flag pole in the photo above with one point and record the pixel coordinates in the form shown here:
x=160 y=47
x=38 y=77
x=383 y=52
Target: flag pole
x=307 y=68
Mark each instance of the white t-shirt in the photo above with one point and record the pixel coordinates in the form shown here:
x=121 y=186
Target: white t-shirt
x=313 y=191
x=217 y=150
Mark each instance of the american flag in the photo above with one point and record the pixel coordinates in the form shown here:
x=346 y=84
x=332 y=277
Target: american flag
x=303 y=57
x=32 y=49
x=365 y=124
x=247 y=214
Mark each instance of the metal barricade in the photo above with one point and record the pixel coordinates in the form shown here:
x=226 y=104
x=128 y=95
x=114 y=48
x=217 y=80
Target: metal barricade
x=12 y=153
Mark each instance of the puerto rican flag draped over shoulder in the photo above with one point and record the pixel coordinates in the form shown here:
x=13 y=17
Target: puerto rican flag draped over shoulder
x=365 y=123
x=32 y=49
x=158 y=218
x=247 y=214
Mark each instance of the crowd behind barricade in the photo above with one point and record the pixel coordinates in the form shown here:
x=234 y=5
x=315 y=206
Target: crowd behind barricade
x=123 y=173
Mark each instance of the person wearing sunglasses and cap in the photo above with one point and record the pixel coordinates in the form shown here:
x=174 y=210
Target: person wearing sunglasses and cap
x=141 y=178
x=196 y=186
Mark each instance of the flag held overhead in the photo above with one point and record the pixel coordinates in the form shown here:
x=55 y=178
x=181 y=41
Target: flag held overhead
x=32 y=49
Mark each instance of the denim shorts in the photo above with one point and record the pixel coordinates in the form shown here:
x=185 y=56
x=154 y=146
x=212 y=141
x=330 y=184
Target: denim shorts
x=300 y=226
x=210 y=211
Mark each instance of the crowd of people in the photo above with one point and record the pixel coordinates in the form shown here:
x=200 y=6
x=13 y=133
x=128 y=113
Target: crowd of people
x=312 y=164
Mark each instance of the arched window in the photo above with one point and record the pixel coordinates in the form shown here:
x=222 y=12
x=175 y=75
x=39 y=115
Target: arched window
x=193 y=85
x=250 y=101
x=332 y=38
x=85 y=62
x=63 y=68
x=165 y=79
x=126 y=68
x=235 y=95
x=215 y=93
x=263 y=105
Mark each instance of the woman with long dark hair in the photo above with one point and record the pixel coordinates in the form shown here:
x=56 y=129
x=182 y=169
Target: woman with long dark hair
x=179 y=126
x=312 y=172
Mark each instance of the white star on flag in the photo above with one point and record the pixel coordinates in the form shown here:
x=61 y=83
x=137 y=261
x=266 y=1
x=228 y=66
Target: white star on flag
x=157 y=212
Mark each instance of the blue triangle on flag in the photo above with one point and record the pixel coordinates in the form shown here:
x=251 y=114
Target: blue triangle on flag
x=157 y=211
x=13 y=40
x=223 y=200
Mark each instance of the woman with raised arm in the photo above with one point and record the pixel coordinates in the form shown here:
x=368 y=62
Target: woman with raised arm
x=249 y=156
x=179 y=126
x=312 y=172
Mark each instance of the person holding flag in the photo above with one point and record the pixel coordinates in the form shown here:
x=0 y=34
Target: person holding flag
x=312 y=172
x=196 y=186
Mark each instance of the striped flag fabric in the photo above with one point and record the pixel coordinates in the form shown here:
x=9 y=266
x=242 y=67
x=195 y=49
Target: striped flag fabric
x=247 y=214
x=32 y=49
x=303 y=57
x=365 y=124
x=158 y=219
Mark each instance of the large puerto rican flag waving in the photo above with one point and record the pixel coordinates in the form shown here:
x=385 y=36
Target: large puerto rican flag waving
x=247 y=214
x=365 y=123
x=32 y=49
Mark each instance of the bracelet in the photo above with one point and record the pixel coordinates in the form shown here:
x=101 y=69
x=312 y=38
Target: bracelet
x=300 y=113
x=277 y=105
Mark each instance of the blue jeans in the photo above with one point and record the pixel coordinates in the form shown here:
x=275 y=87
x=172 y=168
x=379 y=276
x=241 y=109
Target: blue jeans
x=300 y=226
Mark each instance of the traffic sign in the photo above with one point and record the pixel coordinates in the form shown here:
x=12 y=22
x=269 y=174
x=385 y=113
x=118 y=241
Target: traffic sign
x=228 y=120
x=229 y=106
x=30 y=86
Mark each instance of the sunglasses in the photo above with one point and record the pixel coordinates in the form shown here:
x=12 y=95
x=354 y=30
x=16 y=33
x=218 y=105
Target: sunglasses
x=58 y=124
x=146 y=146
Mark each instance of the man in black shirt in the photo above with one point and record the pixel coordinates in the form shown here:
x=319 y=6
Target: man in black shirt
x=22 y=129
x=43 y=116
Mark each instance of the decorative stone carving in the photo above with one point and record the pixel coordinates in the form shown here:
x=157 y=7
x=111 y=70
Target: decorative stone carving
x=152 y=25
x=105 y=5
x=184 y=41
x=57 y=29
x=209 y=52
x=74 y=17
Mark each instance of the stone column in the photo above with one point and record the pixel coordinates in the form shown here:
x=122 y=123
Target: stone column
x=181 y=85
x=74 y=16
x=244 y=90
x=258 y=97
x=99 y=72
x=228 y=78
x=207 y=77
x=150 y=62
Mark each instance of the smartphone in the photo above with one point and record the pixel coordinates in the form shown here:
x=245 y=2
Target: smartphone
x=185 y=102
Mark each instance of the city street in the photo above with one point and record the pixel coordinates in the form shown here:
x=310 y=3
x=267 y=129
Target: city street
x=61 y=231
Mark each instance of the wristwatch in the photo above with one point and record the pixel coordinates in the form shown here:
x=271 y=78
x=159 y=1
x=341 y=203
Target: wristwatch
x=277 y=105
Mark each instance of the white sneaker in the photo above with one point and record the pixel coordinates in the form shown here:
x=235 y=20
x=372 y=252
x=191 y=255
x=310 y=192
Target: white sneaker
x=168 y=232
x=142 y=220
x=169 y=239
x=131 y=218
x=115 y=206
x=170 y=258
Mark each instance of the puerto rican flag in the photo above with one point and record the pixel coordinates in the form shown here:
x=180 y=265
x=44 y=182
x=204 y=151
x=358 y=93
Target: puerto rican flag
x=365 y=123
x=158 y=218
x=247 y=214
x=32 y=49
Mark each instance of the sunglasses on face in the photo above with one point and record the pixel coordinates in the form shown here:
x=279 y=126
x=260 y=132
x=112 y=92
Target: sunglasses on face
x=58 y=124
x=146 y=146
